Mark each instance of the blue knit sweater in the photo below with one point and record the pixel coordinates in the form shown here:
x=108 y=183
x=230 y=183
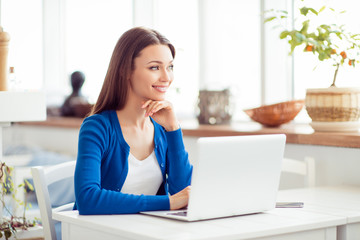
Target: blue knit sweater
x=102 y=167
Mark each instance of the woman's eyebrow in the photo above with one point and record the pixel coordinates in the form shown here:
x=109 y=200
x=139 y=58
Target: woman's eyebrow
x=155 y=61
x=158 y=61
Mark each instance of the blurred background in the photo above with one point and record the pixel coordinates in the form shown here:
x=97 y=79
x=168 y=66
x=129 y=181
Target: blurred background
x=220 y=44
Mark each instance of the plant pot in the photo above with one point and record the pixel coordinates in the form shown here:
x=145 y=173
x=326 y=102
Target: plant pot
x=330 y=109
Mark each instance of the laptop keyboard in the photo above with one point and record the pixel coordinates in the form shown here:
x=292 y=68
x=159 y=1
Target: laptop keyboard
x=182 y=213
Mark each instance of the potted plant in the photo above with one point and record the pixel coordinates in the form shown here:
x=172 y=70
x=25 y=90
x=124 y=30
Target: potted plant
x=10 y=224
x=330 y=108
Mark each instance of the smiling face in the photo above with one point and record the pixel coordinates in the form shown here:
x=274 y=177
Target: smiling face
x=152 y=74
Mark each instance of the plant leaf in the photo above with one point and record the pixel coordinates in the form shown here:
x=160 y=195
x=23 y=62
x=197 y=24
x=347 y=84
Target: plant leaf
x=304 y=11
x=269 y=19
x=300 y=37
x=313 y=11
x=284 y=34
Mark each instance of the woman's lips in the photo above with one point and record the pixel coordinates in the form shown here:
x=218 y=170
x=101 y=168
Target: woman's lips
x=162 y=89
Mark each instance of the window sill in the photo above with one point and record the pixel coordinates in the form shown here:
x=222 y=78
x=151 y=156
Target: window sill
x=296 y=133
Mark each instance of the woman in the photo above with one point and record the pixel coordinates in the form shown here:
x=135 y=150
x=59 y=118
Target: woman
x=131 y=155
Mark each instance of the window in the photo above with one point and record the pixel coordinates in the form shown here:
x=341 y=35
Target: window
x=92 y=28
x=24 y=24
x=183 y=34
x=220 y=44
x=305 y=76
x=217 y=45
x=230 y=50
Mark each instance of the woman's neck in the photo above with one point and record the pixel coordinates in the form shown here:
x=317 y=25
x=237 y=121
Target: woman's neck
x=132 y=115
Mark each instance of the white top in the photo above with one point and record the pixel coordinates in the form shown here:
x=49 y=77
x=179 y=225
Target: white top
x=144 y=176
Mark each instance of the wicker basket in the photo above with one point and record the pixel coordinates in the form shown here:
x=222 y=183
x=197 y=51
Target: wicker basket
x=333 y=104
x=276 y=114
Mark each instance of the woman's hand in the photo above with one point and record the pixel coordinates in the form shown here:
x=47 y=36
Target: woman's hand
x=180 y=199
x=163 y=113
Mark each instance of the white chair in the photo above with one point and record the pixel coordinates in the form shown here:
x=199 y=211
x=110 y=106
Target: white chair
x=43 y=177
x=305 y=168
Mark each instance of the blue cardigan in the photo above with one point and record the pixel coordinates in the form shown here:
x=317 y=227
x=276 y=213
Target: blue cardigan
x=102 y=167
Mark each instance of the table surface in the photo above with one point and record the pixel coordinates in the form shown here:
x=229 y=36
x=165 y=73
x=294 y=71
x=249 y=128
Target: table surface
x=339 y=201
x=324 y=207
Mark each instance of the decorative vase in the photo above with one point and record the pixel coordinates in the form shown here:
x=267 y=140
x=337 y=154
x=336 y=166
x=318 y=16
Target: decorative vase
x=214 y=107
x=4 y=49
x=333 y=108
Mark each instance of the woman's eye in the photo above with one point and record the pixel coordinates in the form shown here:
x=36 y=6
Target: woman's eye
x=171 y=67
x=154 y=68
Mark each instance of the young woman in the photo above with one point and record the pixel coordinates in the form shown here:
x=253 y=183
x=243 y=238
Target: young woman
x=131 y=155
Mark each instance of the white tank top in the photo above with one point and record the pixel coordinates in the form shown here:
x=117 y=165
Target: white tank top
x=144 y=177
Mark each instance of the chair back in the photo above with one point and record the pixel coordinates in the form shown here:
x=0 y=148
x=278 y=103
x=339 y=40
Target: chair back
x=305 y=168
x=43 y=177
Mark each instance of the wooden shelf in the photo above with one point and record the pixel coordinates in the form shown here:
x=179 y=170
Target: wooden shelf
x=296 y=133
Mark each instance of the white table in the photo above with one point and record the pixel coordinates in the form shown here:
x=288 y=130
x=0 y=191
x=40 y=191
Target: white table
x=279 y=224
x=341 y=201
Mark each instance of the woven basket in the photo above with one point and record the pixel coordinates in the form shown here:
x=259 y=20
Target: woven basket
x=276 y=114
x=333 y=104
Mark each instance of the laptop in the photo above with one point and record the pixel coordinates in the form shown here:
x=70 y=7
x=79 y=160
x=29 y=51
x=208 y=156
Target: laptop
x=232 y=176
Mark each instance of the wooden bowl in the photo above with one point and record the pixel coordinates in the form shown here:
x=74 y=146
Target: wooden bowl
x=276 y=114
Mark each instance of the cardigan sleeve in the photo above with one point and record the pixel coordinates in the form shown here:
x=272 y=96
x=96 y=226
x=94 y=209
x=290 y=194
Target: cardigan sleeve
x=91 y=198
x=179 y=168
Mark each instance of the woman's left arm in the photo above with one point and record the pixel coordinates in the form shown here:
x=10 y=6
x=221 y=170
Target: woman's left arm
x=179 y=169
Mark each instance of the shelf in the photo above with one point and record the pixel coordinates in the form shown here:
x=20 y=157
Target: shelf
x=295 y=133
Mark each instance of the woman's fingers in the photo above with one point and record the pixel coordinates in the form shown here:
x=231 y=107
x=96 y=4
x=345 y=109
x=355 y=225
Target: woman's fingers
x=154 y=106
x=162 y=112
x=180 y=199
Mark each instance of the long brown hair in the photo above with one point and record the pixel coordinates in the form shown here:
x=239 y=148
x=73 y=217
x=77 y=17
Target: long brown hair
x=114 y=91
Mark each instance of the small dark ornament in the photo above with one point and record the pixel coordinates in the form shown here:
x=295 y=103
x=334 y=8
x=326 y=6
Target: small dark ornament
x=76 y=105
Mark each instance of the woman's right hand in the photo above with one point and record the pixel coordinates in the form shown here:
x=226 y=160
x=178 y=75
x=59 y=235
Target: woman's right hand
x=180 y=199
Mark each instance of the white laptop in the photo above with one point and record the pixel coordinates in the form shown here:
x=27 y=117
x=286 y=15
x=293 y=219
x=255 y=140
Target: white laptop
x=232 y=176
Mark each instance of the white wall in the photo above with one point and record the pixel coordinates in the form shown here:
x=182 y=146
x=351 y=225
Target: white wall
x=61 y=140
x=334 y=165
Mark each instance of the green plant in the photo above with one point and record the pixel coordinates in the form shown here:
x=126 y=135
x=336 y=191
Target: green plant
x=327 y=41
x=10 y=224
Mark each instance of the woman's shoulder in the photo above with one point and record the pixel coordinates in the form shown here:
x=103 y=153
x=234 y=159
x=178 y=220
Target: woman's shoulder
x=103 y=119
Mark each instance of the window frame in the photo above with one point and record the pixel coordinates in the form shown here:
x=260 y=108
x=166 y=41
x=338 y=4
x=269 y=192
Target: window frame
x=55 y=77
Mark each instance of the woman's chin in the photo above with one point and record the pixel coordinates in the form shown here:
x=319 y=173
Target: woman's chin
x=158 y=98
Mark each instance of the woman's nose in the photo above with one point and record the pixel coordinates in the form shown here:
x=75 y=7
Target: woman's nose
x=166 y=75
